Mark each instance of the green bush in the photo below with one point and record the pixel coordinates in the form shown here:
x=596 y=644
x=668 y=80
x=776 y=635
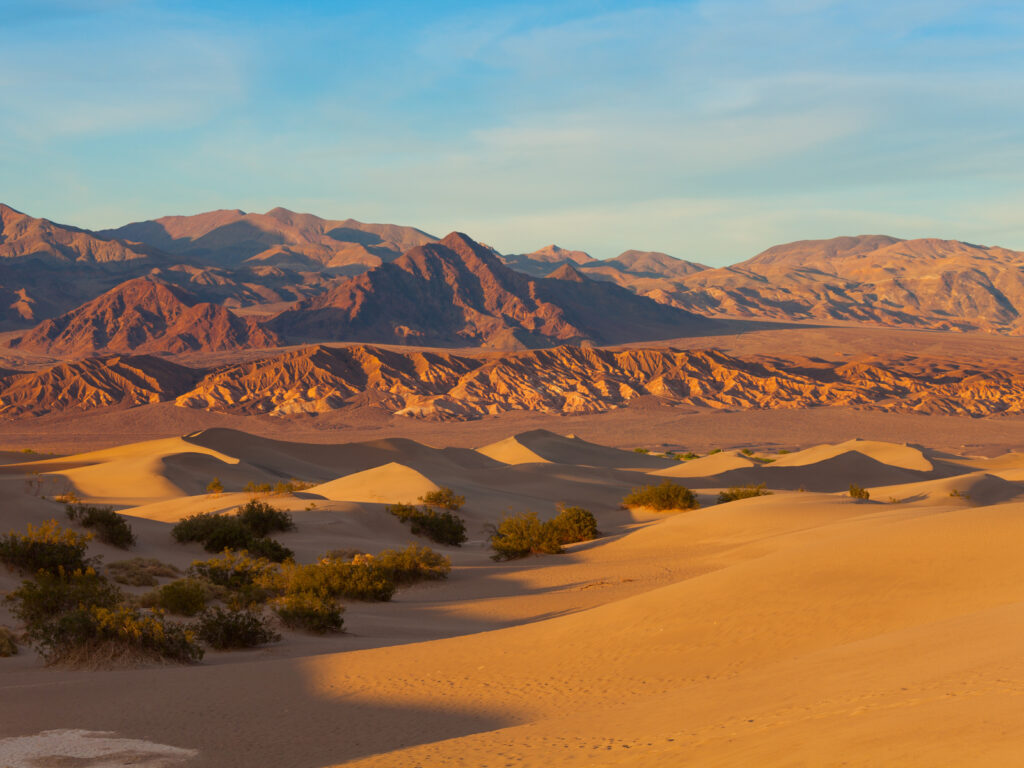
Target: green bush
x=184 y=597
x=214 y=531
x=444 y=498
x=442 y=527
x=140 y=571
x=223 y=629
x=215 y=486
x=248 y=579
x=262 y=519
x=8 y=643
x=111 y=528
x=361 y=579
x=291 y=486
x=688 y=456
x=859 y=494
x=309 y=611
x=79 y=618
x=412 y=564
x=46 y=547
x=217 y=532
x=39 y=600
x=662 y=497
x=523 y=534
x=742 y=492
x=573 y=524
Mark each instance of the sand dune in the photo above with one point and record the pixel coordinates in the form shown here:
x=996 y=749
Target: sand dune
x=979 y=488
x=540 y=445
x=715 y=464
x=790 y=629
x=391 y=483
x=893 y=454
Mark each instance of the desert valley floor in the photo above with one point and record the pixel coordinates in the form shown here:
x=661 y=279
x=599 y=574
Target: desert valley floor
x=797 y=628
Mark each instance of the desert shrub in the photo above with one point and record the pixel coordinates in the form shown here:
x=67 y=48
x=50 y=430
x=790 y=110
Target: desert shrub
x=574 y=524
x=714 y=451
x=224 y=629
x=97 y=635
x=215 y=486
x=78 y=617
x=688 y=456
x=45 y=547
x=346 y=553
x=641 y=450
x=309 y=611
x=361 y=579
x=218 y=532
x=184 y=597
x=293 y=485
x=140 y=571
x=111 y=528
x=270 y=549
x=523 y=534
x=441 y=527
x=742 y=492
x=8 y=643
x=412 y=564
x=206 y=527
x=249 y=579
x=48 y=595
x=257 y=488
x=262 y=519
x=662 y=497
x=445 y=498
x=859 y=494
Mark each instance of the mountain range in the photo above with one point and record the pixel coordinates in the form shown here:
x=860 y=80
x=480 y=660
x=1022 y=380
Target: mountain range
x=228 y=280
x=565 y=379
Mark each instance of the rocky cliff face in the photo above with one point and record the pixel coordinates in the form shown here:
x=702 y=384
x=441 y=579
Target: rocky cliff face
x=565 y=379
x=458 y=292
x=144 y=315
x=928 y=283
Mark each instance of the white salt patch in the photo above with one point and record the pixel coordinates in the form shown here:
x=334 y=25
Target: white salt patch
x=92 y=749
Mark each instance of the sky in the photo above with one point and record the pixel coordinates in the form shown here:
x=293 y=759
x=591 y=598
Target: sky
x=709 y=130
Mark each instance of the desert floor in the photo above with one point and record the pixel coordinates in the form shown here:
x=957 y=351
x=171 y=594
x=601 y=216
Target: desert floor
x=799 y=628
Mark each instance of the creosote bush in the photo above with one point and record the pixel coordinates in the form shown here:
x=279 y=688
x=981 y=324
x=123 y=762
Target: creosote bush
x=662 y=497
x=523 y=534
x=215 y=486
x=111 y=528
x=8 y=643
x=412 y=564
x=78 y=617
x=743 y=492
x=226 y=628
x=441 y=527
x=246 y=580
x=445 y=498
x=140 y=571
x=246 y=530
x=262 y=519
x=574 y=524
x=859 y=494
x=184 y=597
x=45 y=547
x=309 y=611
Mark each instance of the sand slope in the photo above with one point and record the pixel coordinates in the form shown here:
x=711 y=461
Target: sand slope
x=790 y=629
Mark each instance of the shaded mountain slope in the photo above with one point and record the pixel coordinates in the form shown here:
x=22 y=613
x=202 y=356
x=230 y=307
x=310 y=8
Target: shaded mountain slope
x=144 y=314
x=457 y=292
x=94 y=383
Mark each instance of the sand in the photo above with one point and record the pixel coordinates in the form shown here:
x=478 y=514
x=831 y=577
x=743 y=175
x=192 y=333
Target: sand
x=798 y=628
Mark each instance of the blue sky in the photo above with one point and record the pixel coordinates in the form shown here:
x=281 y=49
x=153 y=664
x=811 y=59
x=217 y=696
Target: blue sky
x=709 y=130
